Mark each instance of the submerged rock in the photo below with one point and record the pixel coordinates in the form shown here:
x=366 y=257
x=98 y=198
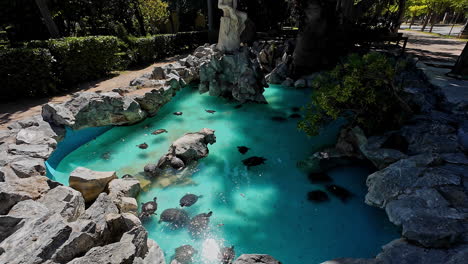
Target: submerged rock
x=90 y=183
x=152 y=170
x=226 y=255
x=256 y=259
x=340 y=192
x=190 y=147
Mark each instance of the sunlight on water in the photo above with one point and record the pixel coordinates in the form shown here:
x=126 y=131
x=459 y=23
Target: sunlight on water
x=260 y=210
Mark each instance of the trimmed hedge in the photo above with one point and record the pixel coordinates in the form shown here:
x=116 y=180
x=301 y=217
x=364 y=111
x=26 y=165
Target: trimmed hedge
x=26 y=72
x=149 y=49
x=41 y=67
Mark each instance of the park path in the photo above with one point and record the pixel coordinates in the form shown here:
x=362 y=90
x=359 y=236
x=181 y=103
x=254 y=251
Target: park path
x=429 y=47
x=21 y=109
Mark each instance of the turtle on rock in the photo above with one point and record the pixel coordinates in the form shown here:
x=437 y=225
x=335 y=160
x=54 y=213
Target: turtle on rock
x=149 y=208
x=189 y=200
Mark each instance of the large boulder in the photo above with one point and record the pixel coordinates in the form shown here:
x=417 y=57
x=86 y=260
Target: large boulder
x=36 y=241
x=15 y=191
x=65 y=201
x=256 y=259
x=128 y=187
x=32 y=151
x=235 y=76
x=28 y=167
x=152 y=100
x=90 y=183
x=155 y=255
x=89 y=109
x=188 y=148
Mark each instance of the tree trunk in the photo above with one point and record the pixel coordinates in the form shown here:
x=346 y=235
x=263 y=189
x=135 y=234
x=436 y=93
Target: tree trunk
x=139 y=17
x=464 y=32
x=412 y=21
x=433 y=19
x=401 y=12
x=453 y=23
x=461 y=67
x=426 y=20
x=210 y=15
x=49 y=22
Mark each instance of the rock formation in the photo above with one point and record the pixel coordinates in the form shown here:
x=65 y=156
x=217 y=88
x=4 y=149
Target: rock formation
x=190 y=147
x=90 y=183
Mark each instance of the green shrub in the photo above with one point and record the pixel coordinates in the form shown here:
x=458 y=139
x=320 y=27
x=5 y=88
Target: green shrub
x=26 y=73
x=363 y=89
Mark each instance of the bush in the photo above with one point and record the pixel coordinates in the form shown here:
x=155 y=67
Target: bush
x=26 y=73
x=363 y=89
x=149 y=49
x=84 y=58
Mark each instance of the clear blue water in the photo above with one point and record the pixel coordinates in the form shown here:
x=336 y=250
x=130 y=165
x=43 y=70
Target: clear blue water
x=261 y=210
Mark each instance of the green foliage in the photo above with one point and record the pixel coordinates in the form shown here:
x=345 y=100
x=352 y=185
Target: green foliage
x=361 y=89
x=26 y=73
x=149 y=49
x=155 y=14
x=81 y=59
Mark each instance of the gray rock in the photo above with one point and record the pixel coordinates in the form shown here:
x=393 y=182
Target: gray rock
x=29 y=209
x=235 y=76
x=153 y=100
x=463 y=135
x=155 y=255
x=4 y=134
x=33 y=151
x=124 y=187
x=37 y=135
x=38 y=241
x=2 y=175
x=98 y=210
x=158 y=73
x=152 y=170
x=28 y=167
x=90 y=183
x=352 y=261
x=65 y=201
x=188 y=148
x=401 y=252
x=301 y=83
x=9 y=225
x=256 y=259
x=387 y=184
x=93 y=110
x=19 y=190
x=288 y=82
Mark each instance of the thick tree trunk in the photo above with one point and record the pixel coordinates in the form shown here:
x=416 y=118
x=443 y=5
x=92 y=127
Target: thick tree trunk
x=139 y=17
x=412 y=21
x=461 y=67
x=49 y=22
x=401 y=12
x=426 y=20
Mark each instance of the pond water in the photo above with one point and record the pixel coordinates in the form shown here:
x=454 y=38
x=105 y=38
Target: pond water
x=263 y=209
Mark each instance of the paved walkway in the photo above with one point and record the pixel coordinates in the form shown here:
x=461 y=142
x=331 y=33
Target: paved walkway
x=429 y=47
x=17 y=110
x=439 y=29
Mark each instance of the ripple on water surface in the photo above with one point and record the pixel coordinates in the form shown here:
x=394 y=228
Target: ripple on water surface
x=263 y=209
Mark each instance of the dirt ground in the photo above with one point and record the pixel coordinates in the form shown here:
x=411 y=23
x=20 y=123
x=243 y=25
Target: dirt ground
x=21 y=109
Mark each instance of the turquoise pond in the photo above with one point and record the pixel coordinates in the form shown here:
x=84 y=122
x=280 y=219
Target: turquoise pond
x=260 y=210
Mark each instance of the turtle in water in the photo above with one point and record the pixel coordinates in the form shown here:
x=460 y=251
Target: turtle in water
x=210 y=111
x=279 y=119
x=296 y=109
x=238 y=106
x=295 y=115
x=177 y=217
x=317 y=196
x=128 y=176
x=243 y=149
x=159 y=131
x=199 y=223
x=319 y=177
x=226 y=255
x=178 y=113
x=149 y=208
x=339 y=192
x=254 y=161
x=143 y=146
x=189 y=200
x=184 y=254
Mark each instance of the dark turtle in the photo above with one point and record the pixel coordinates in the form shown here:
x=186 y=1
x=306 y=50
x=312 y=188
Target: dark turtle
x=238 y=106
x=295 y=116
x=159 y=131
x=226 y=255
x=199 y=223
x=143 y=146
x=317 y=196
x=149 y=208
x=178 y=113
x=243 y=149
x=184 y=254
x=177 y=217
x=296 y=109
x=279 y=119
x=189 y=200
x=339 y=192
x=253 y=161
x=106 y=156
x=210 y=111
x=319 y=177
